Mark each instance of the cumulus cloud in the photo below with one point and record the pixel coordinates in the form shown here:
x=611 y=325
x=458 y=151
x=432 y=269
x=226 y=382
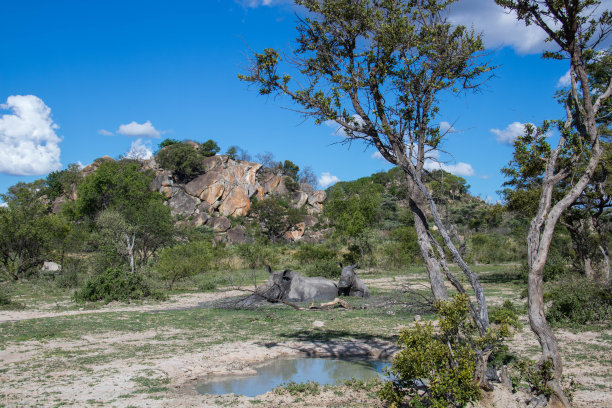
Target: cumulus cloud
x=28 y=143
x=140 y=150
x=565 y=80
x=327 y=179
x=134 y=129
x=105 y=132
x=458 y=169
x=510 y=133
x=499 y=27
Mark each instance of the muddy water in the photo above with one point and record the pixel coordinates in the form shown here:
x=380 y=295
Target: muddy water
x=299 y=370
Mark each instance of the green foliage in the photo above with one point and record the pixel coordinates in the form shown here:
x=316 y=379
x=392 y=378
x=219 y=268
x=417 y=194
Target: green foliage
x=232 y=152
x=63 y=181
x=443 y=363
x=116 y=284
x=6 y=303
x=185 y=260
x=353 y=207
x=115 y=184
x=291 y=170
x=27 y=230
x=579 y=301
x=401 y=248
x=307 y=388
x=493 y=248
x=209 y=148
x=258 y=254
x=182 y=159
x=277 y=216
x=167 y=142
x=505 y=314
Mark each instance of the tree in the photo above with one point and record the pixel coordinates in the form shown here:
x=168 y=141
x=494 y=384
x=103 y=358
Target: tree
x=377 y=68
x=182 y=159
x=276 y=216
x=167 y=142
x=185 y=260
x=353 y=208
x=571 y=27
x=232 y=152
x=307 y=175
x=63 y=182
x=291 y=169
x=209 y=148
x=26 y=229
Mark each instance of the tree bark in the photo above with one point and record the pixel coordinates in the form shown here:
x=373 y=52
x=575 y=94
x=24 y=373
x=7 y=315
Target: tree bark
x=431 y=261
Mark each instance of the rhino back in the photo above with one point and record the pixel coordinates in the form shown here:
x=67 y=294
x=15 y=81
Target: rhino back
x=311 y=289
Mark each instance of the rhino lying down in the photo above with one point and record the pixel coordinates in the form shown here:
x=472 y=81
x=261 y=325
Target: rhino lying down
x=292 y=287
x=350 y=284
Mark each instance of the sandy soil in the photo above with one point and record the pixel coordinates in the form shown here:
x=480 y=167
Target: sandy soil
x=35 y=373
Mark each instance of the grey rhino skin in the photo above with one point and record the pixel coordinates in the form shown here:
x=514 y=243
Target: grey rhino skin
x=350 y=284
x=292 y=287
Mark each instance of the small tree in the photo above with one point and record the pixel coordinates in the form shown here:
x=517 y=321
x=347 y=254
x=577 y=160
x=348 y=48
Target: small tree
x=185 y=260
x=182 y=159
x=27 y=229
x=209 y=148
x=276 y=216
x=569 y=26
x=232 y=152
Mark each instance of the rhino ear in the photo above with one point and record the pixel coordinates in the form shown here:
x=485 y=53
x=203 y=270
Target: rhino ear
x=268 y=268
x=286 y=272
x=356 y=266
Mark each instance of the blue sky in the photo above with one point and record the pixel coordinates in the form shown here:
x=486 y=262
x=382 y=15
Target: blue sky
x=79 y=80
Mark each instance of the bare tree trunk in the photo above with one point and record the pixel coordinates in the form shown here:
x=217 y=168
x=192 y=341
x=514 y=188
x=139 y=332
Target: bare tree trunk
x=606 y=263
x=431 y=261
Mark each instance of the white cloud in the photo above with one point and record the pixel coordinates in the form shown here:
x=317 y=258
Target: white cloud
x=28 y=143
x=105 y=132
x=339 y=130
x=458 y=169
x=510 y=133
x=499 y=27
x=134 y=129
x=3 y=205
x=258 y=3
x=565 y=80
x=327 y=179
x=377 y=155
x=446 y=127
x=140 y=150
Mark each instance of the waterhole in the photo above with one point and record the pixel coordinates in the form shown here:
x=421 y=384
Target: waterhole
x=271 y=375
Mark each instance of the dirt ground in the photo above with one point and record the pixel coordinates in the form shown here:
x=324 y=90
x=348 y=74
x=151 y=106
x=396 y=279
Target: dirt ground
x=39 y=373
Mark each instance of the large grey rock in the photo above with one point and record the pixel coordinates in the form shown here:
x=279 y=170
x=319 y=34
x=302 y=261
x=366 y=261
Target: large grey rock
x=200 y=219
x=238 y=235
x=220 y=224
x=310 y=221
x=183 y=204
x=298 y=199
x=307 y=188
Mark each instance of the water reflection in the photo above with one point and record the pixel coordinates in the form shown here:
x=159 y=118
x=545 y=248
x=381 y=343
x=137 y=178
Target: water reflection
x=299 y=370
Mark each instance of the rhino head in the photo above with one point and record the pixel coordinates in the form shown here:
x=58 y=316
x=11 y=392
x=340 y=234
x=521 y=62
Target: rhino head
x=279 y=284
x=347 y=279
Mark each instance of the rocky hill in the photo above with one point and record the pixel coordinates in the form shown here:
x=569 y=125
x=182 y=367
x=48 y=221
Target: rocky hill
x=226 y=189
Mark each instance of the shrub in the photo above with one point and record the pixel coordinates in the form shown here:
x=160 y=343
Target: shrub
x=182 y=261
x=444 y=364
x=209 y=148
x=116 y=284
x=257 y=254
x=182 y=159
x=326 y=268
x=6 y=303
x=505 y=314
x=579 y=301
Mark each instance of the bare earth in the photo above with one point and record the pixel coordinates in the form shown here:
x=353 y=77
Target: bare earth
x=30 y=376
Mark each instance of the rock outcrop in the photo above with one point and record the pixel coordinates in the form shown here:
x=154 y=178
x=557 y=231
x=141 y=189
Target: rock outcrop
x=227 y=188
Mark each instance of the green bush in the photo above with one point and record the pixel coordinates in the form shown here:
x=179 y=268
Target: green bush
x=182 y=159
x=185 y=260
x=116 y=284
x=444 y=364
x=209 y=148
x=326 y=268
x=505 y=314
x=6 y=303
x=579 y=301
x=258 y=254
